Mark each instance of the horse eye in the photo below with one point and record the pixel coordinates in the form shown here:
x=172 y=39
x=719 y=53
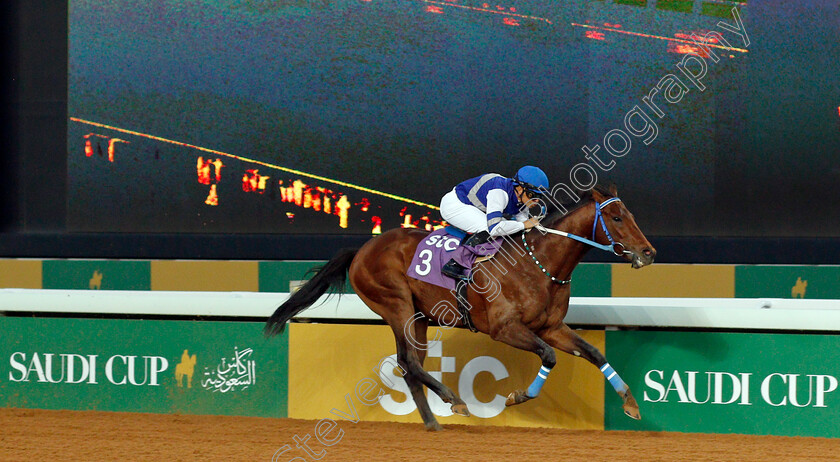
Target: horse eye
x=616 y=218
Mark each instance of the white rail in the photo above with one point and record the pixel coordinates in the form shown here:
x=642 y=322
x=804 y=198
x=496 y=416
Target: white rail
x=724 y=313
x=720 y=313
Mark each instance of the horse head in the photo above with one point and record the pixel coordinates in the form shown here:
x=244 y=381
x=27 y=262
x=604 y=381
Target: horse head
x=615 y=225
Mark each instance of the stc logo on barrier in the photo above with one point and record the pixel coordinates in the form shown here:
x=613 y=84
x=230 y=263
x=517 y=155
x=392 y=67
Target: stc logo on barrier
x=776 y=389
x=465 y=385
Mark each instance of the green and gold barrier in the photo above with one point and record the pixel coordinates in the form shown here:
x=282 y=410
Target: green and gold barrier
x=167 y=367
x=346 y=367
x=589 y=279
x=711 y=382
x=754 y=383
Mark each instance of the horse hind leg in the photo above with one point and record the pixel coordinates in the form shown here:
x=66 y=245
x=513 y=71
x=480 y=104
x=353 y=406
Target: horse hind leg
x=393 y=303
x=410 y=356
x=417 y=338
x=566 y=340
x=405 y=359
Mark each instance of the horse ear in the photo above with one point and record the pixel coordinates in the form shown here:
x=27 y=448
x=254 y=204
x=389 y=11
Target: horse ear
x=613 y=190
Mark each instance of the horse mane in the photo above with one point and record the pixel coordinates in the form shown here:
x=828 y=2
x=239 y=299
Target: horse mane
x=555 y=214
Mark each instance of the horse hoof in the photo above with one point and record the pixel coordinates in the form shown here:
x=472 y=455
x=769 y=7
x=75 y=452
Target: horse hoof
x=633 y=414
x=461 y=409
x=631 y=408
x=517 y=397
x=433 y=427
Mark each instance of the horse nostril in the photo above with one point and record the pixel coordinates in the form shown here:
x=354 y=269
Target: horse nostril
x=647 y=252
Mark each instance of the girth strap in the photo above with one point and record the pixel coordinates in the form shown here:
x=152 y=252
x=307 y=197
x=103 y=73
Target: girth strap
x=461 y=297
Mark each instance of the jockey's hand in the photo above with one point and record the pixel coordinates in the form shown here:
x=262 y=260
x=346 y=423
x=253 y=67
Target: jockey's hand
x=531 y=222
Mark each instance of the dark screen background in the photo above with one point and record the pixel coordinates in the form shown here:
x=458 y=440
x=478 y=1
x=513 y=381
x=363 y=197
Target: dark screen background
x=411 y=97
x=759 y=191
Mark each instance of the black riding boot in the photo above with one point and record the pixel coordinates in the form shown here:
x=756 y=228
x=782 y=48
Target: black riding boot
x=453 y=269
x=476 y=239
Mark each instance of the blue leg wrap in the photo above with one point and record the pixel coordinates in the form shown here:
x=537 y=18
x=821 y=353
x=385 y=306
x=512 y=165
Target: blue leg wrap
x=613 y=377
x=538 y=382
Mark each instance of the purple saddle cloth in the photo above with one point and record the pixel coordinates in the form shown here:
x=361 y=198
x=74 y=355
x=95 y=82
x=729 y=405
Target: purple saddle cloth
x=437 y=248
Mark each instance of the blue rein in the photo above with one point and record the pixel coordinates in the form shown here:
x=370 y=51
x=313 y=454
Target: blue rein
x=599 y=218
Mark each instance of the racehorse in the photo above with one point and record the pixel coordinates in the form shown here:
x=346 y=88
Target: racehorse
x=526 y=311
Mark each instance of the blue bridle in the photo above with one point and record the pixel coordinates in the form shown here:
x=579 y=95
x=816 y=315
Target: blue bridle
x=599 y=218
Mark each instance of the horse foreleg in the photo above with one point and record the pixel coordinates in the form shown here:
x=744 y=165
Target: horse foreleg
x=566 y=340
x=517 y=335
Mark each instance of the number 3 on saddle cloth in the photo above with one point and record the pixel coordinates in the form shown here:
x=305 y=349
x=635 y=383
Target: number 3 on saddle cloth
x=438 y=248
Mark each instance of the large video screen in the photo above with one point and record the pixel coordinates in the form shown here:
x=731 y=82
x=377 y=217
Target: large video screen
x=356 y=116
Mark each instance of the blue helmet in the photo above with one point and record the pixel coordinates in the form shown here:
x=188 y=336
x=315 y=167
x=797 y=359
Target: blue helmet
x=532 y=179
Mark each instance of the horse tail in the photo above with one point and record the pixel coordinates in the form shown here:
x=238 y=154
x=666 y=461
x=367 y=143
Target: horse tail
x=330 y=277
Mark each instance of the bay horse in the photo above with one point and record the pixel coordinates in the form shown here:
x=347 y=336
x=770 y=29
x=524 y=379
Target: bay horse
x=526 y=311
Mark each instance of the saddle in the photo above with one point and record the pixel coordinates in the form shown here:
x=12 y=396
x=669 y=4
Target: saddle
x=460 y=251
x=457 y=271
x=454 y=269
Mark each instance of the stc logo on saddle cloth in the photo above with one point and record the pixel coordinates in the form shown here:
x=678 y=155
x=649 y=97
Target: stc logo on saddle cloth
x=222 y=375
x=743 y=388
x=466 y=381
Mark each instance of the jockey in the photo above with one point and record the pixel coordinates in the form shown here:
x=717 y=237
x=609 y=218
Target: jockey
x=484 y=205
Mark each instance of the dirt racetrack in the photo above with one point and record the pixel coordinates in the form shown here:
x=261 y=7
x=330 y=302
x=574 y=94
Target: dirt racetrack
x=29 y=435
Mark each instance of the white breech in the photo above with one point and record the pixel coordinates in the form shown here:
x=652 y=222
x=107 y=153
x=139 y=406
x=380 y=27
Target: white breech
x=461 y=215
